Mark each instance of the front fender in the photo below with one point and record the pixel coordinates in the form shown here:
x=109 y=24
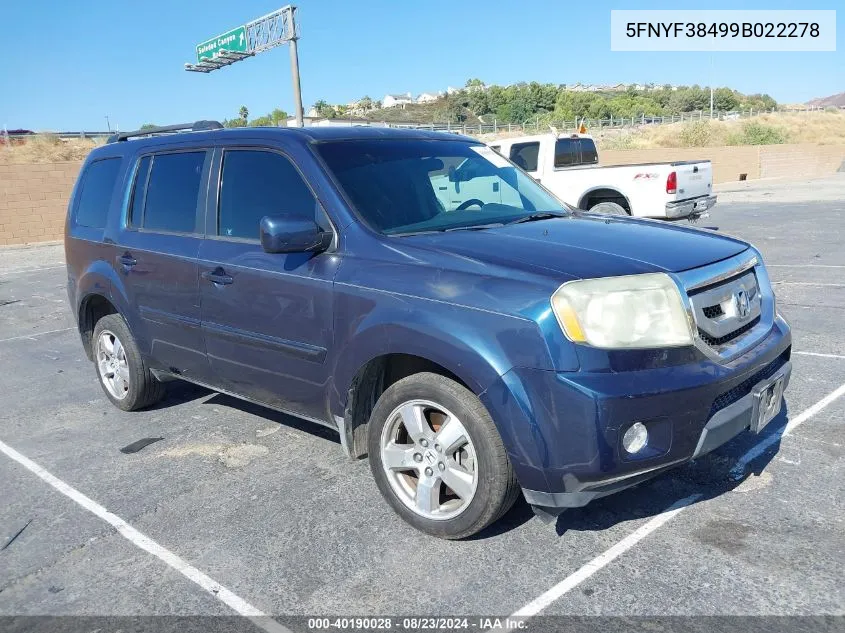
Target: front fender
x=477 y=346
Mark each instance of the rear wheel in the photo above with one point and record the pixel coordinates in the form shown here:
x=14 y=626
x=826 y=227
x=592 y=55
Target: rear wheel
x=609 y=208
x=437 y=457
x=121 y=370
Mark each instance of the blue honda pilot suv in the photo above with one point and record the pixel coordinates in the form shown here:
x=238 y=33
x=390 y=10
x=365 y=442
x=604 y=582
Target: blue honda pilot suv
x=417 y=292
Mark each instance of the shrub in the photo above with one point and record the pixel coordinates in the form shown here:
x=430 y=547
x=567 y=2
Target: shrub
x=695 y=134
x=756 y=133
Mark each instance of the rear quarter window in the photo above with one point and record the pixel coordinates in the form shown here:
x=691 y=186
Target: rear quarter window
x=96 y=187
x=570 y=152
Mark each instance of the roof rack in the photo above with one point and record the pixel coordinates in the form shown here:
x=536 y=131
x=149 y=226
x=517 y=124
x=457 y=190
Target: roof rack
x=196 y=126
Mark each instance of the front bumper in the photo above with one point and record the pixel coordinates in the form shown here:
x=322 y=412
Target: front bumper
x=563 y=430
x=685 y=208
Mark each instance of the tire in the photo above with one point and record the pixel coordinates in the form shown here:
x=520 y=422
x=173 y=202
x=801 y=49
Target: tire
x=609 y=208
x=412 y=474
x=121 y=371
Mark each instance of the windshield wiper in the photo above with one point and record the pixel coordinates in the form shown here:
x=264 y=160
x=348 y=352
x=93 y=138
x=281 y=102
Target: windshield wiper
x=540 y=215
x=474 y=227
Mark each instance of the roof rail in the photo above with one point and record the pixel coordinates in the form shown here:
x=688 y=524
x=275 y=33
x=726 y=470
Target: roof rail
x=196 y=126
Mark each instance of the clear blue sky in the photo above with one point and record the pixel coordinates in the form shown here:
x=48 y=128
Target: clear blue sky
x=67 y=64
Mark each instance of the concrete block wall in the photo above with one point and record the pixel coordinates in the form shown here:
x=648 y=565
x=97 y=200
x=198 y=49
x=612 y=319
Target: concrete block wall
x=756 y=161
x=33 y=201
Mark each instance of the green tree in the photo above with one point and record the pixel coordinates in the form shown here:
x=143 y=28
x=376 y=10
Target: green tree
x=365 y=103
x=277 y=116
x=243 y=113
x=148 y=126
x=725 y=99
x=323 y=108
x=262 y=121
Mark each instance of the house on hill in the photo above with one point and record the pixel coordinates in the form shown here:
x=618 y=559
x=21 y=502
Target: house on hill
x=391 y=101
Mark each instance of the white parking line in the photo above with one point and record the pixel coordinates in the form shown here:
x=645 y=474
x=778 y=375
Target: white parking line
x=34 y=334
x=573 y=580
x=820 y=355
x=30 y=270
x=803 y=266
x=807 y=283
x=738 y=471
x=144 y=542
x=570 y=582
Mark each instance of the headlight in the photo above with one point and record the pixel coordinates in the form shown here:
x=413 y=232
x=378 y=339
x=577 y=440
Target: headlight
x=637 y=311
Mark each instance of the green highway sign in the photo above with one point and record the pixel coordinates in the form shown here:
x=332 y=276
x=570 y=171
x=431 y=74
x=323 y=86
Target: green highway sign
x=234 y=40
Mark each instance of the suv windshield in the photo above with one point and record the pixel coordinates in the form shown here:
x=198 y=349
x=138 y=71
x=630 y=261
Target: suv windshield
x=412 y=186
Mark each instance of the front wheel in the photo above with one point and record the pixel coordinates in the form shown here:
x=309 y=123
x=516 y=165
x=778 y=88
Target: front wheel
x=437 y=457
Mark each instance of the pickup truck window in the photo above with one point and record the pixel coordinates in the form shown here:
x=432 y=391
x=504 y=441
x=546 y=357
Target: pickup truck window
x=524 y=155
x=173 y=185
x=95 y=192
x=575 y=151
x=412 y=186
x=258 y=183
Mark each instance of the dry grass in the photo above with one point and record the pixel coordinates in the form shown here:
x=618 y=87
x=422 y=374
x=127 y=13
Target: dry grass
x=821 y=128
x=46 y=148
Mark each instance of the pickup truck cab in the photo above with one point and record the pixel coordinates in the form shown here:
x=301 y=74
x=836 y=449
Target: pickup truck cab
x=475 y=352
x=568 y=166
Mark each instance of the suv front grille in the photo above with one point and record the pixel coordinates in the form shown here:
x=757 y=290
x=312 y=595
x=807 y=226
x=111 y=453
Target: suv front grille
x=727 y=338
x=735 y=394
x=711 y=312
x=727 y=309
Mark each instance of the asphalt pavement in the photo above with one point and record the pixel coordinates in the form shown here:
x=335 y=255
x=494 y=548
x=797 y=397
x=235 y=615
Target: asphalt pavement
x=269 y=509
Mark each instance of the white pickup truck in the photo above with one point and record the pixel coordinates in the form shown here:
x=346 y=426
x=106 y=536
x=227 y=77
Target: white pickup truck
x=568 y=166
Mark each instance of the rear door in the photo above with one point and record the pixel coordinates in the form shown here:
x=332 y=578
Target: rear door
x=156 y=256
x=267 y=317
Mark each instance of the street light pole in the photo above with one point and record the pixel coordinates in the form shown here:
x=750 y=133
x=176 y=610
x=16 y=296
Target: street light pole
x=711 y=86
x=294 y=70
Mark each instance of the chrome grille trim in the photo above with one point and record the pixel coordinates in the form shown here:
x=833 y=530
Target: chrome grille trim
x=716 y=284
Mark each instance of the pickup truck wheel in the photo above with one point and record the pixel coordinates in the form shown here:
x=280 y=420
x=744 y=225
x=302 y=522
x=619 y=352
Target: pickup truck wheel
x=609 y=208
x=120 y=368
x=437 y=457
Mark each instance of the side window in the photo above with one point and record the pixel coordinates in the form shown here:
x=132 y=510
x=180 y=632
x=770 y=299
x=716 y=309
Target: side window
x=525 y=155
x=139 y=190
x=566 y=152
x=172 y=191
x=95 y=192
x=255 y=183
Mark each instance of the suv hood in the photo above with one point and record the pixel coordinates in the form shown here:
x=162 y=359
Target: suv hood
x=582 y=246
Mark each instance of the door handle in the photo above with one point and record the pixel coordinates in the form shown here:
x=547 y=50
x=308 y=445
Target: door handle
x=126 y=260
x=217 y=276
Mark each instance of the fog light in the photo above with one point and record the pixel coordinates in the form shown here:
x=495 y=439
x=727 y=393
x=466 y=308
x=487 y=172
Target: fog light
x=635 y=438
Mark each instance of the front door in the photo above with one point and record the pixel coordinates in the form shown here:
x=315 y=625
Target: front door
x=156 y=255
x=266 y=317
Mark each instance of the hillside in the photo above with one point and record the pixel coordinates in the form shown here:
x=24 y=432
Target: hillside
x=821 y=128
x=837 y=101
x=420 y=113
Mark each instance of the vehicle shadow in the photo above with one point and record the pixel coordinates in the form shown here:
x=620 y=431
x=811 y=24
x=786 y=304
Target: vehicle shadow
x=709 y=476
x=180 y=392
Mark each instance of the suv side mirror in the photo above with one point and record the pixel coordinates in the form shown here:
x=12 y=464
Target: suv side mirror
x=284 y=234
